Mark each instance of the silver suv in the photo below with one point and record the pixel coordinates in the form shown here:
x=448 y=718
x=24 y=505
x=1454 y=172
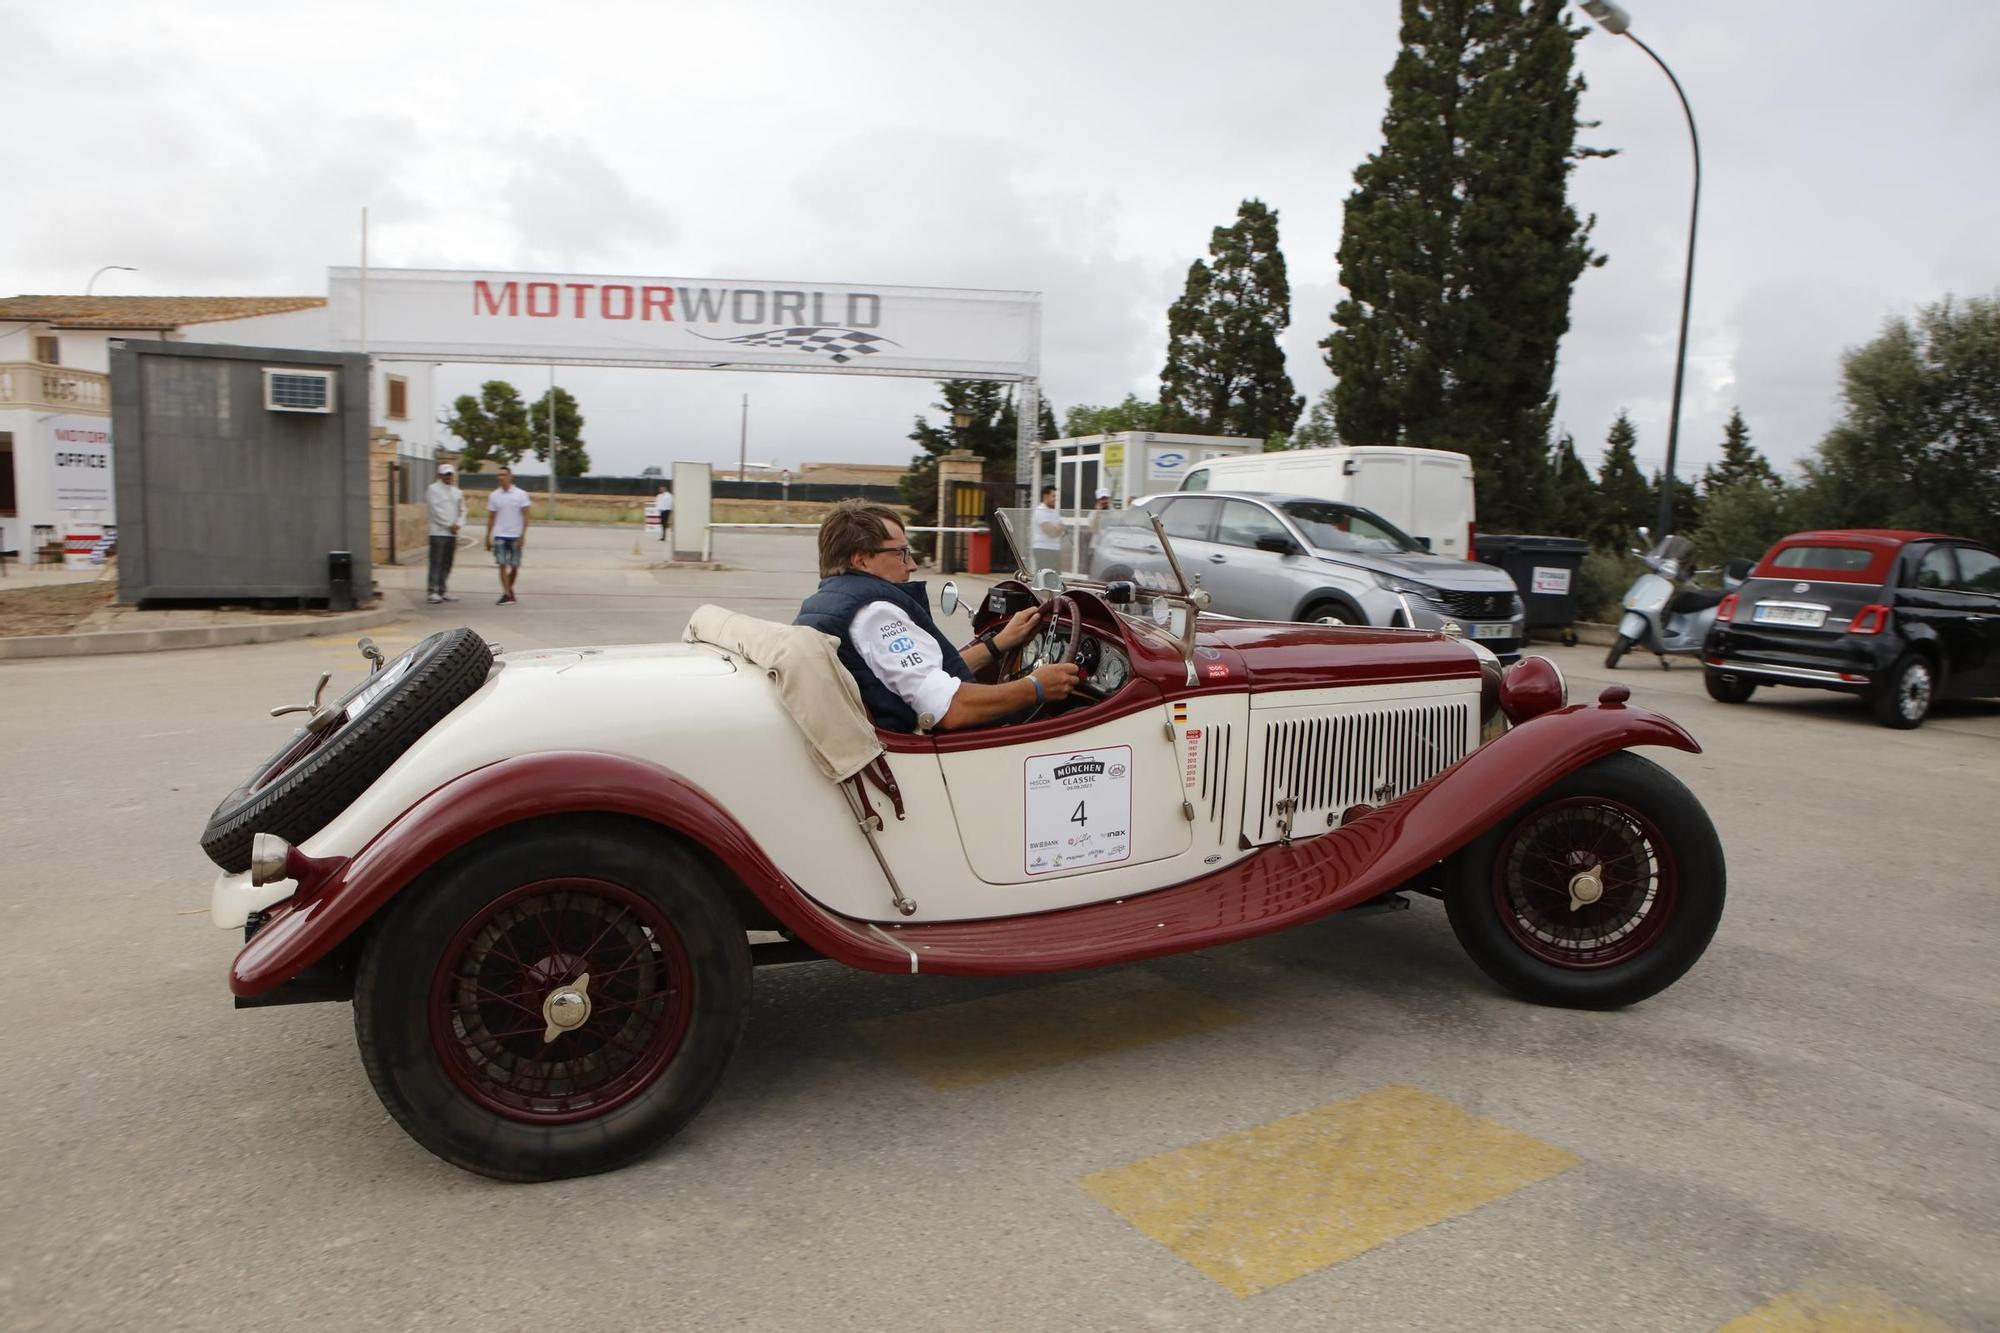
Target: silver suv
x=1290 y=557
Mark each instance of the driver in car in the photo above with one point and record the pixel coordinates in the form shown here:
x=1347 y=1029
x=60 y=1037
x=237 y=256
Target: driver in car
x=910 y=678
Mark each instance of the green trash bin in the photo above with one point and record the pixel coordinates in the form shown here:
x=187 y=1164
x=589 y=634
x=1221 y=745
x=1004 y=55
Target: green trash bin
x=1545 y=569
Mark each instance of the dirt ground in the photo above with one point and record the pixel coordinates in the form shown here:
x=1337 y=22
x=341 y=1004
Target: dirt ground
x=55 y=610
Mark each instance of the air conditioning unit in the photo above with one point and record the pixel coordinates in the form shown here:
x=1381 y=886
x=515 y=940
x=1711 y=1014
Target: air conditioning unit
x=298 y=390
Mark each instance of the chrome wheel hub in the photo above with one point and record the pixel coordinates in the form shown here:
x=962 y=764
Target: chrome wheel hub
x=566 y=1008
x=1586 y=887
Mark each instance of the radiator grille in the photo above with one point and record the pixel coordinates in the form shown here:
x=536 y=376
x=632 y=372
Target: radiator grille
x=1327 y=764
x=1478 y=605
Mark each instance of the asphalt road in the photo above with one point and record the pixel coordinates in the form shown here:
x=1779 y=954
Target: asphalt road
x=1344 y=1126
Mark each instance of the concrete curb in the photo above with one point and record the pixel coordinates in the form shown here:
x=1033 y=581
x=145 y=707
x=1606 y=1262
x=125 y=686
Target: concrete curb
x=25 y=646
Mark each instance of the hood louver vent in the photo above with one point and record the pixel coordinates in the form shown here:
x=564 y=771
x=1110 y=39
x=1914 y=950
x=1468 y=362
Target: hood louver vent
x=1315 y=768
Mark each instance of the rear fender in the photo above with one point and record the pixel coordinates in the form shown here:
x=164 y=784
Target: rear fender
x=340 y=896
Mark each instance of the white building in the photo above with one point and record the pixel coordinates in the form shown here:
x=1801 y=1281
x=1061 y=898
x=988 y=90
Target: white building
x=57 y=456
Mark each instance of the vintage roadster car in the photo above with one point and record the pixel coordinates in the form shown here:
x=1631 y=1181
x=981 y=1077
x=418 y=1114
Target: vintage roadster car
x=537 y=874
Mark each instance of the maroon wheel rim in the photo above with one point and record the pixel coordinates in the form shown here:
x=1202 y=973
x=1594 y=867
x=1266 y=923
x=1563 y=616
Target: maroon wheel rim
x=491 y=1000
x=1638 y=883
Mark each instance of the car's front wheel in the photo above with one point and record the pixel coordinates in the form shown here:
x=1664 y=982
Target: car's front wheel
x=1332 y=613
x=1904 y=697
x=555 y=1002
x=1601 y=891
x=1728 y=689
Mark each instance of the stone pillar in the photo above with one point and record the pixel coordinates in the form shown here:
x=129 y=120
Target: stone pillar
x=958 y=465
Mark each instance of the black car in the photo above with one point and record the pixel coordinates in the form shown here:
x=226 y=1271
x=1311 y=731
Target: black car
x=1901 y=618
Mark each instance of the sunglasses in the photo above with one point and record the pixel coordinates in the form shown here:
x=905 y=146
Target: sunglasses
x=903 y=551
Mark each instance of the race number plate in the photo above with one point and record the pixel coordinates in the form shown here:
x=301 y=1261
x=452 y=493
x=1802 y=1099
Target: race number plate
x=1788 y=615
x=1493 y=631
x=1079 y=809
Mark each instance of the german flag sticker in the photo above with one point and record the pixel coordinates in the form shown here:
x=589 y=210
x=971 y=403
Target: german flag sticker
x=1180 y=712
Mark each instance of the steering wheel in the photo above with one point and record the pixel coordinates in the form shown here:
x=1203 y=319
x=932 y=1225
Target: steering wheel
x=1054 y=609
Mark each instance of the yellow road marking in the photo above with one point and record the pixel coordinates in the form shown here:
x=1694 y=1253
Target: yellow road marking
x=1835 y=1309
x=958 y=1046
x=1273 y=1202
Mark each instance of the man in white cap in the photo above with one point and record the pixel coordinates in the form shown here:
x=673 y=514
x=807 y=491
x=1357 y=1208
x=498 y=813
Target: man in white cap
x=447 y=514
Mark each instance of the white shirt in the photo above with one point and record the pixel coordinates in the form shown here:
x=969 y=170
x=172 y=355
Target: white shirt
x=1048 y=526
x=447 y=506
x=507 y=507
x=664 y=502
x=906 y=659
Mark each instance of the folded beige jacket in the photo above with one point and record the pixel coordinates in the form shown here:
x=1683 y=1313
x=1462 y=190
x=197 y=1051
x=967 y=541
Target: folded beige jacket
x=812 y=684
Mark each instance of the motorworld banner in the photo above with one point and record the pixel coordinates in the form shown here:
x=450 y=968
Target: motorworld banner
x=693 y=323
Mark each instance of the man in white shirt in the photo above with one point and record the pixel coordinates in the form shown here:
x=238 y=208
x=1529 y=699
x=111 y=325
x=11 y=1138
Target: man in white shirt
x=910 y=678
x=663 y=509
x=507 y=530
x=1046 y=533
x=446 y=504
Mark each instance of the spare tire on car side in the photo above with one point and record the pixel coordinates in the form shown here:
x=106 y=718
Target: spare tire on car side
x=318 y=773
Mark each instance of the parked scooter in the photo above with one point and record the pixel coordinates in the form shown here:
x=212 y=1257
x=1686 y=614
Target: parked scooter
x=1666 y=611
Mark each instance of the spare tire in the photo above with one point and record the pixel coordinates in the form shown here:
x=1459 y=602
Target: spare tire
x=319 y=771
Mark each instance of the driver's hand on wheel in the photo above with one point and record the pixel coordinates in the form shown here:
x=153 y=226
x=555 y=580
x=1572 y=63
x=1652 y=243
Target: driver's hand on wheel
x=1020 y=628
x=1058 y=679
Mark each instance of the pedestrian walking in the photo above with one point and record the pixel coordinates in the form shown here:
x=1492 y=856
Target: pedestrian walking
x=507 y=531
x=447 y=515
x=1046 y=533
x=663 y=509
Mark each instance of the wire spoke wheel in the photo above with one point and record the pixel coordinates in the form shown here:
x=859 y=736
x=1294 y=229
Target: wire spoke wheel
x=1585 y=883
x=499 y=978
x=1602 y=889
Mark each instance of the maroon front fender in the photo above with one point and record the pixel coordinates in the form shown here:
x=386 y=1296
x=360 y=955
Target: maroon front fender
x=308 y=926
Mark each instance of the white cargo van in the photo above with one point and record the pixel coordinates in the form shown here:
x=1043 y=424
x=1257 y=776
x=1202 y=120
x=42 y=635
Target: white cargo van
x=1425 y=492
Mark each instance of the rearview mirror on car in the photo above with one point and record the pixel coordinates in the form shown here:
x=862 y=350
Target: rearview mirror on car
x=1277 y=543
x=948 y=597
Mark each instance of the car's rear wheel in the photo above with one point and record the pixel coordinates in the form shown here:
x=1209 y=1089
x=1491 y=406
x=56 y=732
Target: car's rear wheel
x=1726 y=688
x=554 y=1003
x=1601 y=891
x=1619 y=647
x=1904 y=697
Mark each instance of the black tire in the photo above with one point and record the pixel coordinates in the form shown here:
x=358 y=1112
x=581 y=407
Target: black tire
x=1332 y=611
x=426 y=995
x=1905 y=696
x=1619 y=646
x=1656 y=915
x=297 y=791
x=1725 y=688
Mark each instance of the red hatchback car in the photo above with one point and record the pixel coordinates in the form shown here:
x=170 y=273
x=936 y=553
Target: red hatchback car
x=1901 y=618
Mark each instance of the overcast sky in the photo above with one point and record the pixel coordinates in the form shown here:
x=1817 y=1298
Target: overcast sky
x=1081 y=149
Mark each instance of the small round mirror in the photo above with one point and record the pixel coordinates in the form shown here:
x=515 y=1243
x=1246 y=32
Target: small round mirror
x=1049 y=581
x=948 y=597
x=1160 y=611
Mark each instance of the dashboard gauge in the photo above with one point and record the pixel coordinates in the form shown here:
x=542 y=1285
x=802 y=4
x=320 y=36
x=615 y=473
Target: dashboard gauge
x=1111 y=673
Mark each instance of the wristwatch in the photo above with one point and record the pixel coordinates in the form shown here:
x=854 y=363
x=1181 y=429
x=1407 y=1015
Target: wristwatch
x=992 y=642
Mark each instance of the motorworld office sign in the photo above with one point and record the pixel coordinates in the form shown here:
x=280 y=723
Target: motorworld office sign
x=690 y=323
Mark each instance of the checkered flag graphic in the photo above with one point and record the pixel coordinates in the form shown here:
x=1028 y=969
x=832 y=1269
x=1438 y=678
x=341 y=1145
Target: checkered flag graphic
x=842 y=345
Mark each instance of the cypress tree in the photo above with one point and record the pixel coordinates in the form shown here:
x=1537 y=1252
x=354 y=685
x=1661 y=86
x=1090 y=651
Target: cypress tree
x=1571 y=510
x=1740 y=460
x=1225 y=372
x=1459 y=247
x=1624 y=499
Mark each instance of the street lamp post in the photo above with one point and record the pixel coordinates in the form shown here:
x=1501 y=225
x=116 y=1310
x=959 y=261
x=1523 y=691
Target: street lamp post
x=123 y=268
x=1614 y=20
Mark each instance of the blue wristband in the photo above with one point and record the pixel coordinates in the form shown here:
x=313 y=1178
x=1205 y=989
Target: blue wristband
x=1038 y=690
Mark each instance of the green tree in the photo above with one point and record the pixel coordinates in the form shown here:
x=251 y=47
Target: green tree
x=1225 y=372
x=1741 y=520
x=1740 y=460
x=1624 y=499
x=1135 y=413
x=1318 y=431
x=1572 y=503
x=990 y=430
x=490 y=428
x=1918 y=441
x=1459 y=248
x=1687 y=503
x=572 y=459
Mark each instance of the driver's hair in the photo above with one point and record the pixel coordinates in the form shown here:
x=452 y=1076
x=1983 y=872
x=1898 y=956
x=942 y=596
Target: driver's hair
x=855 y=527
